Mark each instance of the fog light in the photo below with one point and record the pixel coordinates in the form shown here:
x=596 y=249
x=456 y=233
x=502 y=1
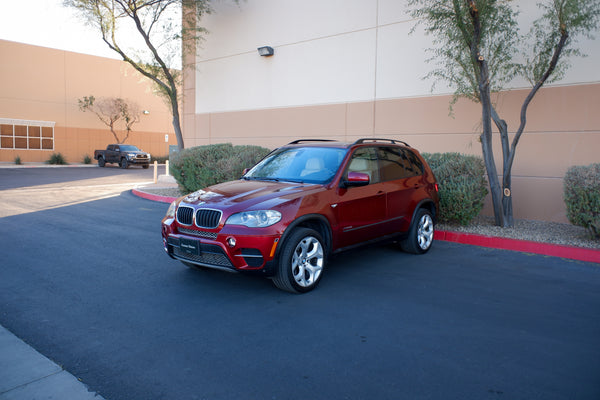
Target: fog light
x=231 y=241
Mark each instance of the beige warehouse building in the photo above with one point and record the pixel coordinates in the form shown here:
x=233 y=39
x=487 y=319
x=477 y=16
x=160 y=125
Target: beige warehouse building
x=350 y=69
x=39 y=113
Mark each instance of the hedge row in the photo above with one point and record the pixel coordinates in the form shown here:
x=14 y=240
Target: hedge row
x=582 y=197
x=462 y=183
x=198 y=167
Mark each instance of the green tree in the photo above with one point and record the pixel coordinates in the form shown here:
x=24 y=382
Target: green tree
x=112 y=110
x=478 y=50
x=162 y=30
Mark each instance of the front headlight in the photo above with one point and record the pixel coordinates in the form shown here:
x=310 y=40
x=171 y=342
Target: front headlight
x=255 y=219
x=171 y=210
x=130 y=155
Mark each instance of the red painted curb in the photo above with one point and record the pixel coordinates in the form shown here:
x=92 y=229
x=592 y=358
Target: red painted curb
x=548 y=249
x=153 y=197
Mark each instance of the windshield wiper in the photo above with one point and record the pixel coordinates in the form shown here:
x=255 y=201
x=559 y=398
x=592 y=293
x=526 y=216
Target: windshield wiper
x=269 y=179
x=260 y=178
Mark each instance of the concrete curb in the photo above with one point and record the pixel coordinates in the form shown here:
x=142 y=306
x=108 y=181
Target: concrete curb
x=153 y=197
x=25 y=374
x=494 y=242
x=44 y=165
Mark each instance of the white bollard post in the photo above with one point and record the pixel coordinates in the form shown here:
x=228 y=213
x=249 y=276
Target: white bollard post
x=167 y=171
x=155 y=171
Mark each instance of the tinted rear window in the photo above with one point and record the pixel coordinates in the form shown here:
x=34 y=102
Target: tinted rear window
x=398 y=163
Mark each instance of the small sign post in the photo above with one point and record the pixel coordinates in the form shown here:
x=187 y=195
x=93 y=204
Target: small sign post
x=167 y=142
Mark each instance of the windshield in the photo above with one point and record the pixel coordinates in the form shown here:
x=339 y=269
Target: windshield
x=306 y=164
x=129 y=147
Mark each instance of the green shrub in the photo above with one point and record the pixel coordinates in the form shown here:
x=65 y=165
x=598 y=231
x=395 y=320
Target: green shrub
x=57 y=159
x=18 y=160
x=582 y=197
x=87 y=159
x=202 y=166
x=462 y=185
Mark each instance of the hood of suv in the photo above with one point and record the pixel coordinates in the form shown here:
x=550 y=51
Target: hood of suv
x=249 y=194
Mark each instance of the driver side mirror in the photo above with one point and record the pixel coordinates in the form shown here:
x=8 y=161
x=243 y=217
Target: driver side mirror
x=356 y=179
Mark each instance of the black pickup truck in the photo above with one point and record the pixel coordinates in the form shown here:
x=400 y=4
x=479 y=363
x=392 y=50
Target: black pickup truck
x=123 y=154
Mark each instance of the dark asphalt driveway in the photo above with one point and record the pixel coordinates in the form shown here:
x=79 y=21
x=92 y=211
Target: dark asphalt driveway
x=88 y=285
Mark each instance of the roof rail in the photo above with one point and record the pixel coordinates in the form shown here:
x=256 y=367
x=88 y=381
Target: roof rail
x=311 y=140
x=393 y=141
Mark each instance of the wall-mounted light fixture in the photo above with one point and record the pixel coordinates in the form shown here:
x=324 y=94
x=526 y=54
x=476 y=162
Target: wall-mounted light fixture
x=266 y=51
x=145 y=112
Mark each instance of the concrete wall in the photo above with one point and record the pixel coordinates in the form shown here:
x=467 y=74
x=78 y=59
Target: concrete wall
x=349 y=68
x=42 y=84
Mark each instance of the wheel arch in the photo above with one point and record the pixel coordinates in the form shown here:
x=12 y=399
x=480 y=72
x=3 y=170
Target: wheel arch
x=428 y=205
x=316 y=222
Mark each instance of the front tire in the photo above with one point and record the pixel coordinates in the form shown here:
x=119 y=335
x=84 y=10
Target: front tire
x=301 y=262
x=124 y=164
x=420 y=234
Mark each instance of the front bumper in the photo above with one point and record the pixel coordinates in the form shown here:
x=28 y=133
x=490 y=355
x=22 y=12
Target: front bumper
x=245 y=253
x=140 y=161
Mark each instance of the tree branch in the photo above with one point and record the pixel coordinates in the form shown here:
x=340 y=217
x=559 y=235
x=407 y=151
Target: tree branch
x=555 y=57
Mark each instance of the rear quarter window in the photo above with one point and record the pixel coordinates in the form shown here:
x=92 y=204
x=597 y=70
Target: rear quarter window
x=398 y=163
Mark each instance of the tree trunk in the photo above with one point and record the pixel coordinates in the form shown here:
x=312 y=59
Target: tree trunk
x=177 y=122
x=112 y=130
x=507 y=208
x=483 y=82
x=506 y=194
x=490 y=167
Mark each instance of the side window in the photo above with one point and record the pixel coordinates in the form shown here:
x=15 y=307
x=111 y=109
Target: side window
x=415 y=162
x=364 y=160
x=398 y=163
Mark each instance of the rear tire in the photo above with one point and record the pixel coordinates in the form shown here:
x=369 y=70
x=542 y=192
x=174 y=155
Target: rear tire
x=301 y=262
x=101 y=162
x=420 y=234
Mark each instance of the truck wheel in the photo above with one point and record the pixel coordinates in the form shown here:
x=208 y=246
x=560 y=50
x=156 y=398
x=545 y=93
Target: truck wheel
x=301 y=262
x=145 y=166
x=101 y=162
x=124 y=164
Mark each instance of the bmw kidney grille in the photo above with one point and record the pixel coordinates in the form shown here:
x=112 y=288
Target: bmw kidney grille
x=206 y=218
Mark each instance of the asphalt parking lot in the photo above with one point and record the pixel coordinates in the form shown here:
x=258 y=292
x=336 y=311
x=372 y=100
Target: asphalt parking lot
x=84 y=281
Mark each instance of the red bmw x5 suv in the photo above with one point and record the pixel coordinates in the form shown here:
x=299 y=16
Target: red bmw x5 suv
x=303 y=202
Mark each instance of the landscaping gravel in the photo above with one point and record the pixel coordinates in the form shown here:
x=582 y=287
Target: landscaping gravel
x=537 y=231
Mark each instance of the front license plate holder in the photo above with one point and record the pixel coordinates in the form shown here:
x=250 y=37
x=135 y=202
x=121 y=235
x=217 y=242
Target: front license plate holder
x=190 y=246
